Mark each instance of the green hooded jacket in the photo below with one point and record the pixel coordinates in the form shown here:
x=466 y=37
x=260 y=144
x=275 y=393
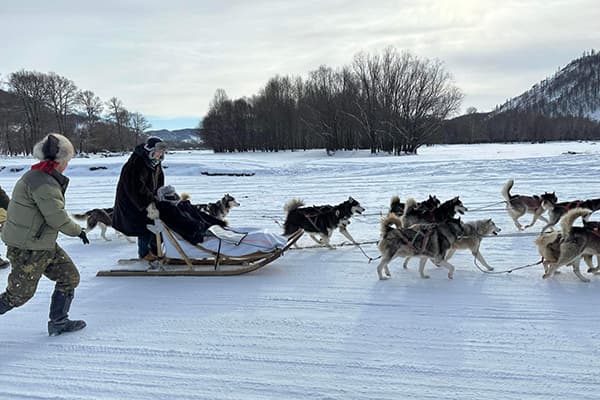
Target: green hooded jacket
x=36 y=212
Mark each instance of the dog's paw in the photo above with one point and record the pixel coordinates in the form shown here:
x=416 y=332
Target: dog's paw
x=384 y=277
x=425 y=276
x=450 y=275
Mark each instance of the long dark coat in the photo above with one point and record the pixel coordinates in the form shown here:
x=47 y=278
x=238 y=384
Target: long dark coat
x=187 y=220
x=136 y=189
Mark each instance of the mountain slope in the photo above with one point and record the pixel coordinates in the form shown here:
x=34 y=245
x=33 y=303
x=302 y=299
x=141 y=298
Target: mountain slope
x=179 y=135
x=572 y=91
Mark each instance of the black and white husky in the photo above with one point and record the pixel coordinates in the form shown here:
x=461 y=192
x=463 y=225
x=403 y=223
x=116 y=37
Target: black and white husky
x=320 y=220
x=101 y=217
x=219 y=209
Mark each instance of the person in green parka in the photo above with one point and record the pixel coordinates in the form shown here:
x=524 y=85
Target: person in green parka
x=36 y=213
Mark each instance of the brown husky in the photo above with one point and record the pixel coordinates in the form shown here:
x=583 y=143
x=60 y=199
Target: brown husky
x=577 y=242
x=518 y=205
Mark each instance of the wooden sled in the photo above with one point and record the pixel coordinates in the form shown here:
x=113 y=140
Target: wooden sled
x=212 y=263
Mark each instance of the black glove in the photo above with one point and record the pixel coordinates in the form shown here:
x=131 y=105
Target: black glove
x=83 y=237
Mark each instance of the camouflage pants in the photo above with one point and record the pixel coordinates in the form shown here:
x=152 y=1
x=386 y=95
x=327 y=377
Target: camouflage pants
x=28 y=266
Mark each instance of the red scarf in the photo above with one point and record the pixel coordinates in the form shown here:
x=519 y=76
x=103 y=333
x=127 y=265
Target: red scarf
x=46 y=166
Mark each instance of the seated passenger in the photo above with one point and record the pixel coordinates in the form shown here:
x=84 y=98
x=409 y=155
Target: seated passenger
x=182 y=217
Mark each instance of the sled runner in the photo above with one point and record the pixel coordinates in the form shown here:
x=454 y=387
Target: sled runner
x=224 y=252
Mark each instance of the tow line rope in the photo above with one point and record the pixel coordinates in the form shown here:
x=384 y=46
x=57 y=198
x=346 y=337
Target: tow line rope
x=508 y=271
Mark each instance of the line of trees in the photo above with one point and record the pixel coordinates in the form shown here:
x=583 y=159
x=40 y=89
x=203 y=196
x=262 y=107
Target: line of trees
x=388 y=101
x=38 y=103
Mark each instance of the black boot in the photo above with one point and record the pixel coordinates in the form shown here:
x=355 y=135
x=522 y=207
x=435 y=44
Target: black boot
x=4 y=306
x=59 y=314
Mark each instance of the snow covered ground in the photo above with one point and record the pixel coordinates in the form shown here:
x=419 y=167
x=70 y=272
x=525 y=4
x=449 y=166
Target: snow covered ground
x=317 y=323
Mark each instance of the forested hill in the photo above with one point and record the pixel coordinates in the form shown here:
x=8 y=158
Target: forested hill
x=573 y=91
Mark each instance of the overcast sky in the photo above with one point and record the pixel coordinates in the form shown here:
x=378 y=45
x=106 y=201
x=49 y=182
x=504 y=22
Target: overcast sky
x=165 y=59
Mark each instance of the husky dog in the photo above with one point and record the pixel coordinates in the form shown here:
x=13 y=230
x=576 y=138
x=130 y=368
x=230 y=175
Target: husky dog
x=101 y=217
x=426 y=241
x=557 y=210
x=473 y=233
x=320 y=220
x=418 y=214
x=221 y=208
x=397 y=207
x=576 y=242
x=518 y=205
x=548 y=245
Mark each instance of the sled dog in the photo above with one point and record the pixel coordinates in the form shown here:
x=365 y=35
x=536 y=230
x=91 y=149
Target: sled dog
x=101 y=217
x=548 y=246
x=557 y=210
x=320 y=220
x=577 y=242
x=221 y=208
x=473 y=233
x=415 y=213
x=518 y=205
x=426 y=241
x=397 y=207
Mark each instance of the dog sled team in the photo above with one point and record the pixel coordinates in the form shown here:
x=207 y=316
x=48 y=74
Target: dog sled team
x=149 y=210
x=428 y=230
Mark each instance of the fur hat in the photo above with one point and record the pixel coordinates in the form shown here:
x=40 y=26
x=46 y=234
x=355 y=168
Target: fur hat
x=54 y=147
x=155 y=143
x=167 y=193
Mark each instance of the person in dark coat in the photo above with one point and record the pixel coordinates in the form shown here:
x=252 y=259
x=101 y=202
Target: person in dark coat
x=182 y=217
x=140 y=177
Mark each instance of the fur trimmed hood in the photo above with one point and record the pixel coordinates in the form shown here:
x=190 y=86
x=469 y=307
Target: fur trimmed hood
x=55 y=147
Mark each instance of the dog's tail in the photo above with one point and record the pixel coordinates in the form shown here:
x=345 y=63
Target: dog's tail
x=409 y=205
x=387 y=222
x=81 y=217
x=566 y=222
x=506 y=189
x=292 y=205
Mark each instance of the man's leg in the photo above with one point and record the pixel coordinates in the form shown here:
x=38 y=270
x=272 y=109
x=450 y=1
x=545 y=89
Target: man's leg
x=62 y=270
x=27 y=269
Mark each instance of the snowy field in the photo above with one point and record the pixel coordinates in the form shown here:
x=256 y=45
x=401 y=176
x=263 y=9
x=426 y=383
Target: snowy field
x=317 y=323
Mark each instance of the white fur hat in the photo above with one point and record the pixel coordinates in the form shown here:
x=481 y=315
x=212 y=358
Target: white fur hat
x=54 y=147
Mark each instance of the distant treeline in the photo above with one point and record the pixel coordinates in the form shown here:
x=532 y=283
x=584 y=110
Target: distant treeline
x=516 y=126
x=36 y=103
x=392 y=102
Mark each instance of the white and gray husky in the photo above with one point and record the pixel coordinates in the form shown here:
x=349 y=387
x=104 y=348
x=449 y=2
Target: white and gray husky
x=474 y=232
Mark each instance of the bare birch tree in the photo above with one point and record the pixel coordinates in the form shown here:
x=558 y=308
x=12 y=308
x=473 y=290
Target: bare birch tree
x=61 y=95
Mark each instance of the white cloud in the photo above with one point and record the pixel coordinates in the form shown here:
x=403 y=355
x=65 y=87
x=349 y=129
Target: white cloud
x=167 y=59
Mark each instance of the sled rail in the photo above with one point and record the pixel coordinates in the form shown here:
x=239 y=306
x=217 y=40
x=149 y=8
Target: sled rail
x=225 y=266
